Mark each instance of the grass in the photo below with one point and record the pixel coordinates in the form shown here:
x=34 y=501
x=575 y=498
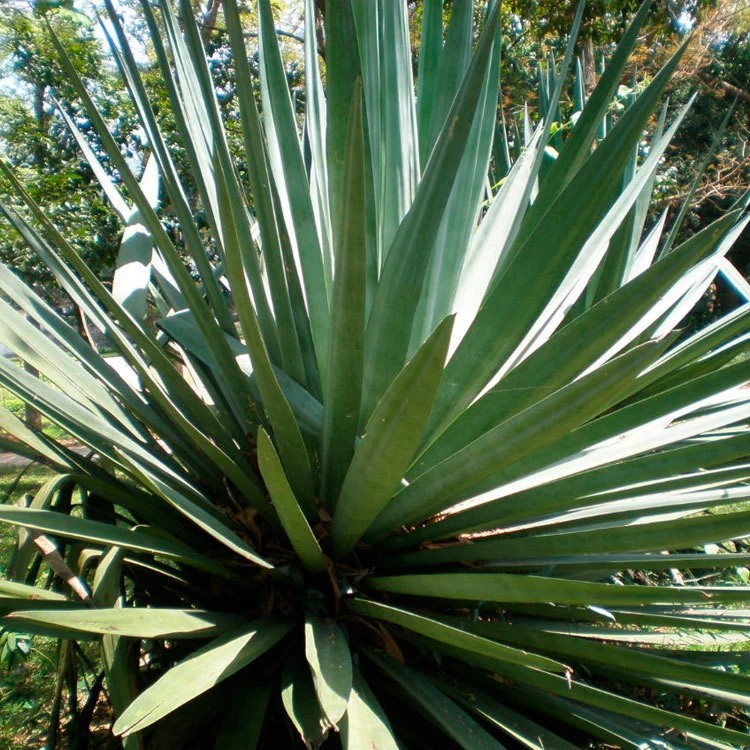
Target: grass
x=15 y=482
x=17 y=407
x=26 y=693
x=27 y=680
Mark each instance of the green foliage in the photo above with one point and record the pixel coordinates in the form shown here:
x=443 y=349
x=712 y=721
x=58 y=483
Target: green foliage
x=392 y=458
x=26 y=662
x=725 y=77
x=36 y=141
x=25 y=694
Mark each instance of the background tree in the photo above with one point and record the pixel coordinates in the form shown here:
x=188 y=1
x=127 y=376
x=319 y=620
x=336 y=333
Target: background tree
x=715 y=66
x=34 y=137
x=718 y=64
x=35 y=140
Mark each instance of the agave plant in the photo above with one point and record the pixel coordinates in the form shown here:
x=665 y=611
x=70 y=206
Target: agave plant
x=398 y=459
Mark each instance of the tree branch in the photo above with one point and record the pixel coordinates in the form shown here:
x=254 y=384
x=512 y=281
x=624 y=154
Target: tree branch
x=254 y=34
x=728 y=87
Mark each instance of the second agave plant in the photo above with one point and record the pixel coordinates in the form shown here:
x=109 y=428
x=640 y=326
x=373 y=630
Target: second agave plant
x=403 y=457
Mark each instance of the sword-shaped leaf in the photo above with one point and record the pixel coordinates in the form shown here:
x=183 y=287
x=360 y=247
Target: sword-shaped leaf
x=391 y=439
x=440 y=709
x=330 y=661
x=130 y=622
x=288 y=507
x=346 y=350
x=365 y=724
x=200 y=671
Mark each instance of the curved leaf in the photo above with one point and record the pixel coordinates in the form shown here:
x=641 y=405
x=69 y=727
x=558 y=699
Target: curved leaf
x=200 y=671
x=392 y=437
x=330 y=660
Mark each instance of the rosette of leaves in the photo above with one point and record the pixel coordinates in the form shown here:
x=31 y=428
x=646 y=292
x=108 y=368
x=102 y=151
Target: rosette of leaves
x=393 y=458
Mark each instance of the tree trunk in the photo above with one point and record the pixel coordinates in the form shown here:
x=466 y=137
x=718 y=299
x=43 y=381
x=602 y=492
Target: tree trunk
x=208 y=20
x=32 y=417
x=589 y=65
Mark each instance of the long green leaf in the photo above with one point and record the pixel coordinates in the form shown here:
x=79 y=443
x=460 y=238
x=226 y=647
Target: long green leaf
x=199 y=93
x=365 y=724
x=173 y=188
x=469 y=184
x=389 y=325
x=392 y=437
x=189 y=406
x=603 y=564
x=557 y=496
x=36 y=444
x=70 y=340
x=342 y=71
x=263 y=204
x=616 y=539
x=539 y=425
x=667 y=419
x=315 y=135
x=51 y=522
x=579 y=692
x=428 y=80
x=503 y=587
x=528 y=733
x=439 y=631
x=288 y=508
x=161 y=239
x=440 y=709
x=289 y=174
x=384 y=51
x=330 y=661
x=597 y=697
x=131 y=622
x=200 y=671
x=493 y=237
x=454 y=61
x=603 y=328
x=301 y=701
x=631 y=664
x=346 y=350
x=520 y=293
x=15 y=590
x=286 y=430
